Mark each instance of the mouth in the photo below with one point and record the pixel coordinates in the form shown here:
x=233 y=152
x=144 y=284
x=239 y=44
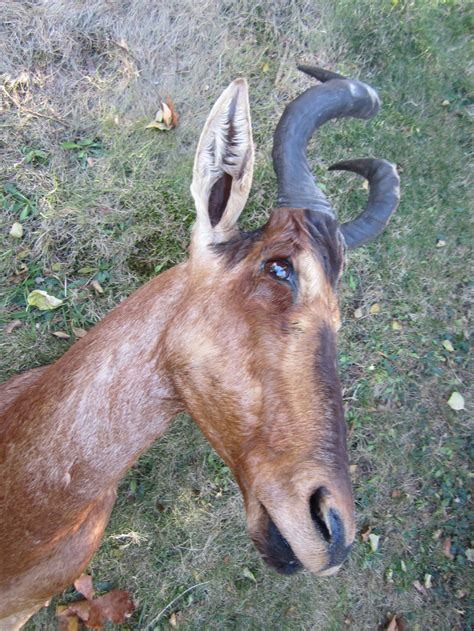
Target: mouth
x=275 y=549
x=277 y=552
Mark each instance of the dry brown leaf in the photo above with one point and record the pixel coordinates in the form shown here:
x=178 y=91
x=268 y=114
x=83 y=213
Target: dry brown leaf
x=61 y=334
x=78 y=332
x=166 y=117
x=420 y=588
x=396 y=624
x=11 y=326
x=114 y=606
x=396 y=493
x=447 y=549
x=84 y=586
x=365 y=532
x=97 y=286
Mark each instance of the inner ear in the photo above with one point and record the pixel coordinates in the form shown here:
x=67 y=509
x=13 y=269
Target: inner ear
x=218 y=198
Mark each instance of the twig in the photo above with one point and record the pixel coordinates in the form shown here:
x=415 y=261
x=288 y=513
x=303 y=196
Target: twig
x=157 y=618
x=32 y=112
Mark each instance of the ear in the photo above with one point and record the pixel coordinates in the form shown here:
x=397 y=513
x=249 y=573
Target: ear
x=223 y=167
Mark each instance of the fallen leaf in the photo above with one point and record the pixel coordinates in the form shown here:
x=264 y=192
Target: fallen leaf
x=456 y=401
x=166 y=117
x=374 y=541
x=84 y=586
x=396 y=624
x=447 y=346
x=16 y=230
x=365 y=185
x=61 y=334
x=248 y=574
x=265 y=67
x=396 y=326
x=173 y=620
x=374 y=309
x=447 y=549
x=358 y=313
x=353 y=468
x=97 y=287
x=42 y=300
x=90 y=161
x=11 y=326
x=427 y=581
x=440 y=243
x=470 y=554
x=364 y=533
x=420 y=588
x=445 y=103
x=115 y=606
x=403 y=566
x=78 y=332
x=396 y=493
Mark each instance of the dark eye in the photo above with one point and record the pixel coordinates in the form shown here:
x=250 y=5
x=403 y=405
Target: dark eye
x=280 y=269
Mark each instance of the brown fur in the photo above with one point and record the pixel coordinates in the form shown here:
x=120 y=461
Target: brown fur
x=251 y=358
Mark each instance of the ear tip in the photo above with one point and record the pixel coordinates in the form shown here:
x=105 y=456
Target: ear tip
x=240 y=84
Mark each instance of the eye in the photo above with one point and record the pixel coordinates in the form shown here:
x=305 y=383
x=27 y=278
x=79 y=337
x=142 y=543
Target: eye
x=281 y=269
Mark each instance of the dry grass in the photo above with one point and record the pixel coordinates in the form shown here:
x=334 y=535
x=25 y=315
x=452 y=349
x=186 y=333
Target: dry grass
x=95 y=71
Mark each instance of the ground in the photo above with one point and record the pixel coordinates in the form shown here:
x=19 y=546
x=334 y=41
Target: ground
x=101 y=198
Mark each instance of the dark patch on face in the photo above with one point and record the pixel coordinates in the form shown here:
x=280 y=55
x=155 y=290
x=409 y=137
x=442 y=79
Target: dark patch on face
x=235 y=250
x=327 y=377
x=327 y=242
x=338 y=551
x=275 y=549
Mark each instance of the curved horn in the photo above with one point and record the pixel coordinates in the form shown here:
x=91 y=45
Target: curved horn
x=384 y=195
x=336 y=98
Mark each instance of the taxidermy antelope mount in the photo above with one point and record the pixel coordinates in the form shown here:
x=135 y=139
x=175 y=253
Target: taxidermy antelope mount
x=242 y=336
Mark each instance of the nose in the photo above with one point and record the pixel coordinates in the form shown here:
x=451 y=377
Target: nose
x=330 y=526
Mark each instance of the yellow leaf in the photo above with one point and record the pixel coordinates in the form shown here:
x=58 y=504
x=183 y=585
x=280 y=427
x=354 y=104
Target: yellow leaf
x=43 y=301
x=248 y=574
x=456 y=401
x=61 y=334
x=396 y=326
x=16 y=230
x=265 y=67
x=374 y=541
x=173 y=620
x=374 y=309
x=448 y=346
x=97 y=287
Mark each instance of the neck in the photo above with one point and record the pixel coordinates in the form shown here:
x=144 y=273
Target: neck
x=88 y=417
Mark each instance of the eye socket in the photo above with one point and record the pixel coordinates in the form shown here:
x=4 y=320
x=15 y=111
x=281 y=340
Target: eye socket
x=280 y=269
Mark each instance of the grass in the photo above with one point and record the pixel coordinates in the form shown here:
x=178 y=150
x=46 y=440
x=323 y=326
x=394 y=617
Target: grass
x=101 y=198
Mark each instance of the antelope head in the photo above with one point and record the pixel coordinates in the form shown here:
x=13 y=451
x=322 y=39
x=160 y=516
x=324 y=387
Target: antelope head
x=254 y=342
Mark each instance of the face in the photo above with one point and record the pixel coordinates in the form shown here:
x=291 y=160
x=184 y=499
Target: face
x=254 y=360
x=253 y=352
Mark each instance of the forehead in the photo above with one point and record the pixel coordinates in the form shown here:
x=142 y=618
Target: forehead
x=311 y=239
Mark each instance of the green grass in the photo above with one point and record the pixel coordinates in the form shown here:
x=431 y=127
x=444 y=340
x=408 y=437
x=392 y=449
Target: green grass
x=128 y=212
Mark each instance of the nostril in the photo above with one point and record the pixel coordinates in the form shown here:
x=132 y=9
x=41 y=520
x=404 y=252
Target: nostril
x=317 y=513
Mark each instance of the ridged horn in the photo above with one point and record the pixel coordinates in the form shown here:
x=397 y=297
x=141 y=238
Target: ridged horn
x=384 y=195
x=337 y=97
